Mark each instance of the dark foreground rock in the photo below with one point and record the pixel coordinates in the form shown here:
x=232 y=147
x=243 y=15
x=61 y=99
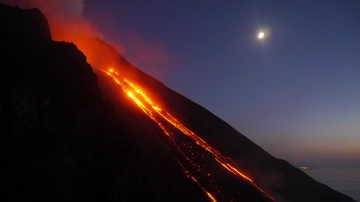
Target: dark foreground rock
x=61 y=140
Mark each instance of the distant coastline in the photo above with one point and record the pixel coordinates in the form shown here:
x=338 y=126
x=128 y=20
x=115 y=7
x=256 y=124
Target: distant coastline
x=345 y=180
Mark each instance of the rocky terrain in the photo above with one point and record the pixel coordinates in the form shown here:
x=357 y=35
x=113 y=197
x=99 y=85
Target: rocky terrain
x=68 y=134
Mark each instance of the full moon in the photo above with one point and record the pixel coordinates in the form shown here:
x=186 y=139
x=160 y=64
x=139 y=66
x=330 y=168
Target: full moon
x=261 y=35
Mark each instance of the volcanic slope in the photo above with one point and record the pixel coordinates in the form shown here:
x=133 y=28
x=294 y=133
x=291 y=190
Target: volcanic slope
x=63 y=140
x=275 y=176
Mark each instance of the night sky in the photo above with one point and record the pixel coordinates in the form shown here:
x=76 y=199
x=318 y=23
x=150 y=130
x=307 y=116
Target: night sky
x=296 y=92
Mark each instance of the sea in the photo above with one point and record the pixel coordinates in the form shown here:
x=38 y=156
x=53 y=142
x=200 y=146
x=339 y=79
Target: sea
x=344 y=180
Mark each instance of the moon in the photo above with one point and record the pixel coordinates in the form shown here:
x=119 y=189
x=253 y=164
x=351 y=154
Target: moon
x=261 y=35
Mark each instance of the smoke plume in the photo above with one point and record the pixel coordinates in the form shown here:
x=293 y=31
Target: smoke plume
x=67 y=23
x=64 y=16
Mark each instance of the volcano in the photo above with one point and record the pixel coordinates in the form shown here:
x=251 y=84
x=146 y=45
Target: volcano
x=79 y=122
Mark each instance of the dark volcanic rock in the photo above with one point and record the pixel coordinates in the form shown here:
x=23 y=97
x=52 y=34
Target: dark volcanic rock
x=61 y=140
x=279 y=178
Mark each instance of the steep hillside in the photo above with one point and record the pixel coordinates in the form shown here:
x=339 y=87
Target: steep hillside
x=279 y=178
x=62 y=140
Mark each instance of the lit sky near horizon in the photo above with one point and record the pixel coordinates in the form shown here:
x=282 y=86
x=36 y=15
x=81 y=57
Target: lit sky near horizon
x=295 y=92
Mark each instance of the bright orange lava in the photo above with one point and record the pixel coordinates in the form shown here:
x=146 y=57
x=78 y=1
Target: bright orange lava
x=149 y=108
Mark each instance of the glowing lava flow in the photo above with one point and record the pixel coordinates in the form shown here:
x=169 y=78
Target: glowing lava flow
x=137 y=101
x=188 y=174
x=149 y=108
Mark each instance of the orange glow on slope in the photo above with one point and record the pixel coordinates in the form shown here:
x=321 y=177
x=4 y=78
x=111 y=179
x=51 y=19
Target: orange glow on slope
x=80 y=31
x=211 y=196
x=188 y=174
x=149 y=108
x=137 y=101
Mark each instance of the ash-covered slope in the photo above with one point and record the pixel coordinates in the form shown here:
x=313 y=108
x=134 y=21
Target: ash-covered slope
x=61 y=140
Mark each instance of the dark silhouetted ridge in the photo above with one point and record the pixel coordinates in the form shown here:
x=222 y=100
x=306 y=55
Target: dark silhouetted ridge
x=62 y=140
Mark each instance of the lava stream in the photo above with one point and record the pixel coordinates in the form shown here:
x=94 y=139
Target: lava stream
x=149 y=108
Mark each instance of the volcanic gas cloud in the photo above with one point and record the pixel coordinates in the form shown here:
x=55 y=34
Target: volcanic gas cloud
x=67 y=23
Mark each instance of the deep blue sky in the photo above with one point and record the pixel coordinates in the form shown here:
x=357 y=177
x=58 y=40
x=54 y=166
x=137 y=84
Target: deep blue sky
x=296 y=93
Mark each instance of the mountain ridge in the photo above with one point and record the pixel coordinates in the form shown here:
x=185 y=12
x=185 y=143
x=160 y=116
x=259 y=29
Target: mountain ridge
x=79 y=104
